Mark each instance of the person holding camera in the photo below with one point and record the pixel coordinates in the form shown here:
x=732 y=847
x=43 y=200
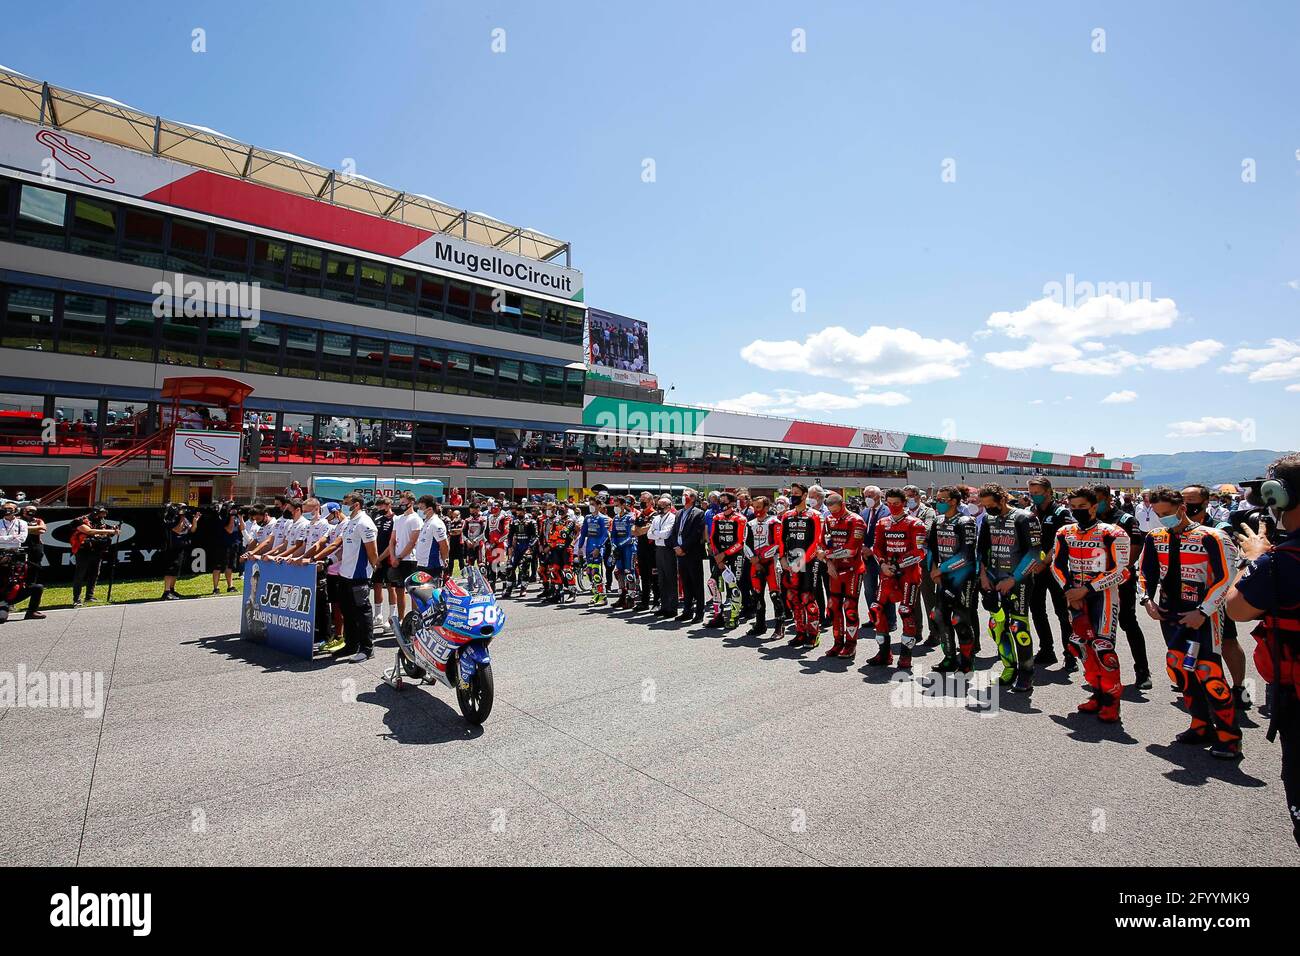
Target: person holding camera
x=181 y=524
x=35 y=543
x=1268 y=591
x=227 y=545
x=15 y=583
x=91 y=539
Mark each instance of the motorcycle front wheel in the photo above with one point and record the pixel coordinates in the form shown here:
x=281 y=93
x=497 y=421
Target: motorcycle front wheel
x=476 y=701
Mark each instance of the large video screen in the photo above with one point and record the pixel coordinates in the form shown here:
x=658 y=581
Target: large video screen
x=617 y=342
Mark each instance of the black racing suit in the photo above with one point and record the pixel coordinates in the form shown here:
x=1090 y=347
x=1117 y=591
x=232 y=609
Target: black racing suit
x=1051 y=518
x=1128 y=596
x=523 y=548
x=1008 y=544
x=950 y=547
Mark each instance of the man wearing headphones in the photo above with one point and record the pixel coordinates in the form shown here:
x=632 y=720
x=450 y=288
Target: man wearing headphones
x=1269 y=592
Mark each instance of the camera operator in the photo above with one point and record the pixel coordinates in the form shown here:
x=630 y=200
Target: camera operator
x=1269 y=591
x=181 y=523
x=226 y=543
x=14 y=567
x=91 y=539
x=35 y=543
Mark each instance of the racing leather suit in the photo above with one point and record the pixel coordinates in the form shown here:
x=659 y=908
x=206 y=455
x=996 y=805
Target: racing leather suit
x=843 y=538
x=1009 y=544
x=763 y=542
x=473 y=537
x=1096 y=558
x=801 y=533
x=1191 y=570
x=498 y=542
x=559 y=556
x=727 y=541
x=623 y=555
x=900 y=549
x=951 y=549
x=523 y=542
x=592 y=538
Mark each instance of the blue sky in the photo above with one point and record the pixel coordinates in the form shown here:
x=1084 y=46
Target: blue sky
x=820 y=171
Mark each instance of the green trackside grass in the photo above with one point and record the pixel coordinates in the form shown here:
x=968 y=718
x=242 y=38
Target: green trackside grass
x=131 y=592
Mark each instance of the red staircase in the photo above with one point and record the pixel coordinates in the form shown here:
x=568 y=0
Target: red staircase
x=87 y=482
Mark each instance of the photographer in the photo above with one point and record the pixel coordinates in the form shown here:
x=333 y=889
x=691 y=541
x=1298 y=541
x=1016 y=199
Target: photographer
x=91 y=539
x=1269 y=591
x=15 y=584
x=181 y=523
x=35 y=543
x=225 y=544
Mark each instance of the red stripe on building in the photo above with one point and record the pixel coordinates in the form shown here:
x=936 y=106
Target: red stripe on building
x=259 y=205
x=993 y=452
x=1127 y=466
x=807 y=433
x=1076 y=461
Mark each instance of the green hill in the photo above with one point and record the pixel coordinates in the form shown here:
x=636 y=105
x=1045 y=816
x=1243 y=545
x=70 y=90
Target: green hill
x=1204 y=467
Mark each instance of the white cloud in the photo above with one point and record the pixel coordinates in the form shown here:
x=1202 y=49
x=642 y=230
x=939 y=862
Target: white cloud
x=879 y=356
x=1295 y=284
x=792 y=403
x=1208 y=425
x=1071 y=360
x=1293 y=388
x=1050 y=321
x=1093 y=346
x=1278 y=360
x=1120 y=398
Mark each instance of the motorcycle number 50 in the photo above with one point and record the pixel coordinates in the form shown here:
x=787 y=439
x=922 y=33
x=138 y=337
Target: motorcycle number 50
x=482 y=614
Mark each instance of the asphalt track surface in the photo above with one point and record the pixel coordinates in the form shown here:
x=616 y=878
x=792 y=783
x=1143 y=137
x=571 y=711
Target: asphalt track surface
x=613 y=741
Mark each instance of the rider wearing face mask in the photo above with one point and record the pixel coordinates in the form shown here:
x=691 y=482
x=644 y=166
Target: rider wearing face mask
x=1052 y=517
x=1186 y=572
x=1110 y=512
x=801 y=535
x=843 y=539
x=1196 y=500
x=1010 y=552
x=1090 y=561
x=899 y=547
x=950 y=558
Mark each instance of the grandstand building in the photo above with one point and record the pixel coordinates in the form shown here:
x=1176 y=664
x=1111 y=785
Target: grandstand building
x=386 y=334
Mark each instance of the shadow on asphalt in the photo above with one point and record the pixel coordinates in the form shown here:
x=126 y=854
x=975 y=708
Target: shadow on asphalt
x=1194 y=766
x=417 y=715
x=1087 y=729
x=235 y=648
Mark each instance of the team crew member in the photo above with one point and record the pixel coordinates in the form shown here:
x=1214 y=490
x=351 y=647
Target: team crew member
x=623 y=552
x=91 y=540
x=661 y=530
x=1010 y=552
x=593 y=534
x=645 y=552
x=763 y=546
x=844 y=536
x=1052 y=516
x=950 y=558
x=35 y=542
x=1109 y=512
x=1269 y=592
x=497 y=546
x=383 y=522
x=14 y=579
x=335 y=585
x=1090 y=561
x=314 y=542
x=432 y=549
x=455 y=538
x=1186 y=570
x=801 y=535
x=899 y=547
x=407 y=526
x=727 y=550
x=360 y=557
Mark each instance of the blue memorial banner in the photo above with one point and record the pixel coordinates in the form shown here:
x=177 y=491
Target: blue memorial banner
x=279 y=606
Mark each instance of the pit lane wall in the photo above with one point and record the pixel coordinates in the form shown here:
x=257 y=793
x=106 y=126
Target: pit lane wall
x=651 y=420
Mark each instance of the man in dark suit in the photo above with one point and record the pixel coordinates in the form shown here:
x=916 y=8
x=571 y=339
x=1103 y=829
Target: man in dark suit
x=688 y=544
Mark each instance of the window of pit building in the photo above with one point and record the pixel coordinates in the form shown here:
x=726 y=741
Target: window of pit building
x=134 y=332
x=76 y=426
x=187 y=247
x=340 y=277
x=83 y=324
x=401 y=359
x=372 y=283
x=530 y=382
x=229 y=255
x=180 y=339
x=304 y=277
x=94 y=228
x=433 y=297
x=458 y=301
x=430 y=365
x=370 y=361
x=270 y=257
x=460 y=375
x=42 y=218
x=262 y=354
x=21 y=428
x=485 y=376
x=222 y=346
x=8 y=196
x=336 y=357
x=125 y=423
x=28 y=319
x=300 y=348
x=507 y=379
x=144 y=238
x=404 y=290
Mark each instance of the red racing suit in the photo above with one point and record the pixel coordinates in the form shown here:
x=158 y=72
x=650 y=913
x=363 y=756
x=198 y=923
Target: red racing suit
x=801 y=535
x=498 y=538
x=726 y=540
x=900 y=547
x=1096 y=557
x=843 y=539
